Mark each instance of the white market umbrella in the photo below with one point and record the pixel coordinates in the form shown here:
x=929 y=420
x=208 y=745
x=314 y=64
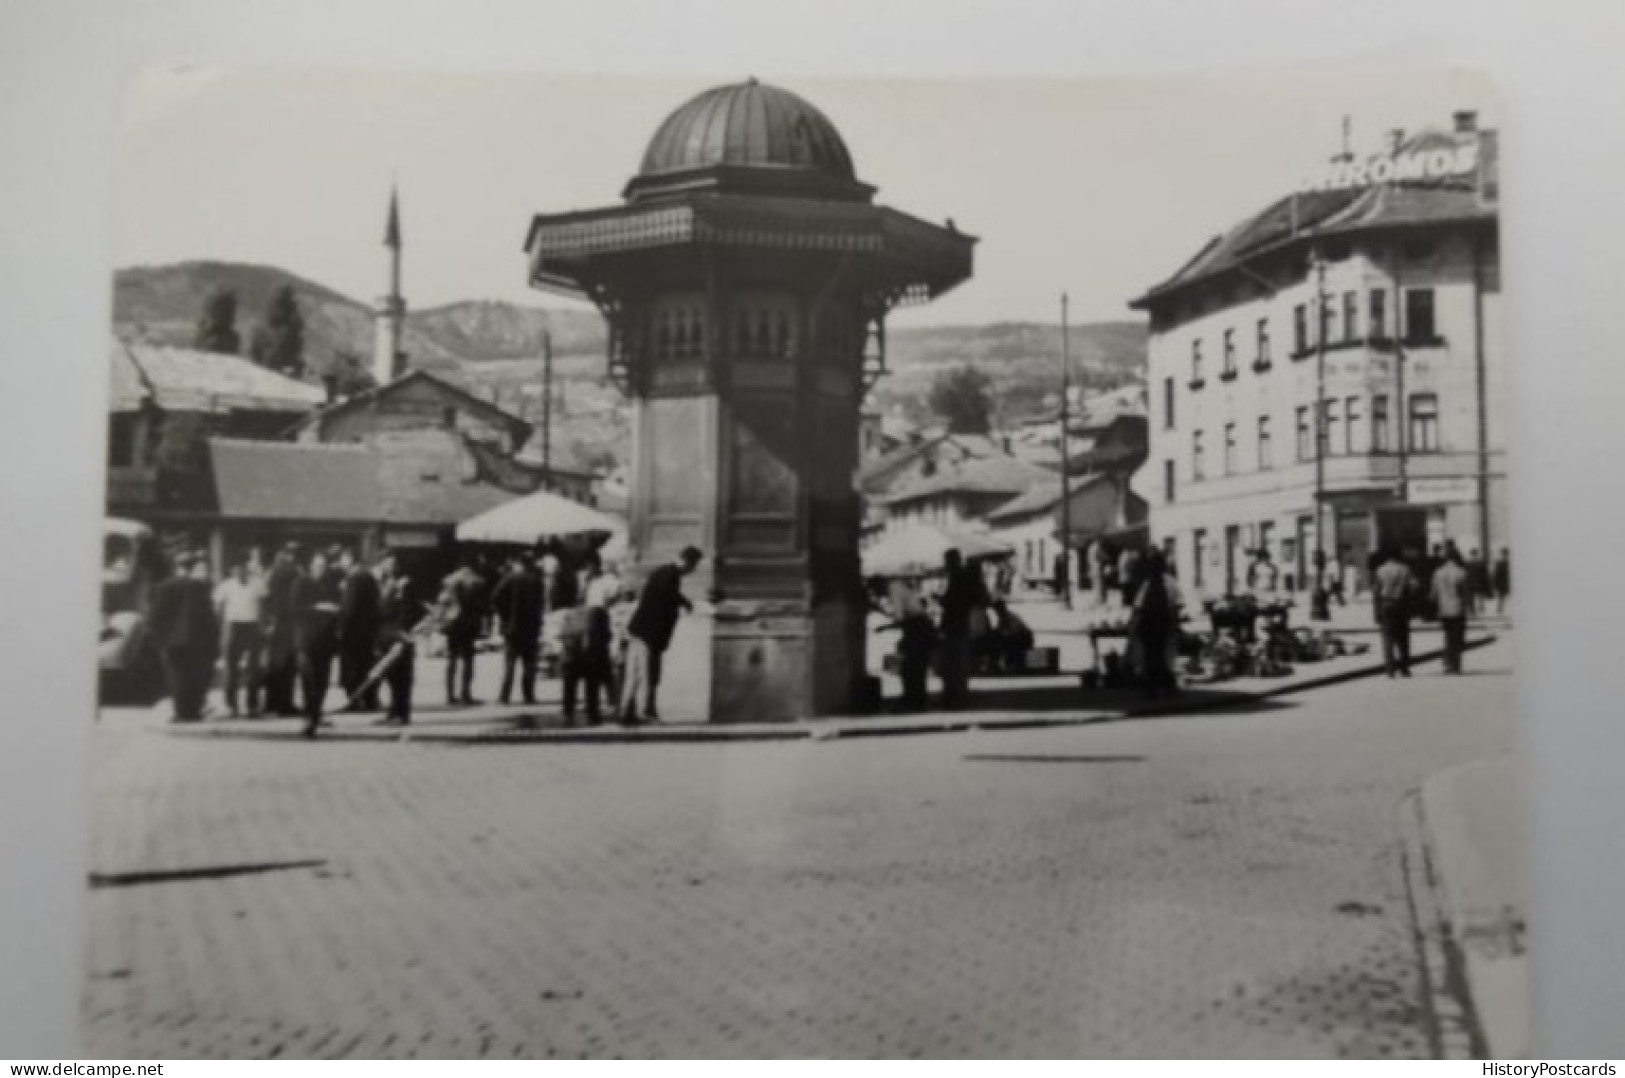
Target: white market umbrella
x=918 y=550
x=534 y=517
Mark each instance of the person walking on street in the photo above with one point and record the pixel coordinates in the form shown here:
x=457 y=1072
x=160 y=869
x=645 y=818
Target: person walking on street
x=184 y=628
x=660 y=602
x=1452 y=598
x=318 y=596
x=1394 y=592
x=1501 y=579
x=899 y=600
x=398 y=614
x=1153 y=617
x=1478 y=584
x=465 y=603
x=281 y=654
x=1100 y=559
x=1128 y=571
x=964 y=599
x=358 y=626
x=1264 y=577
x=240 y=603
x=594 y=669
x=517 y=603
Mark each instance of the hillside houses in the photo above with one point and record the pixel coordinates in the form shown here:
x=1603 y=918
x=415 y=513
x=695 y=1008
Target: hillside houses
x=1007 y=487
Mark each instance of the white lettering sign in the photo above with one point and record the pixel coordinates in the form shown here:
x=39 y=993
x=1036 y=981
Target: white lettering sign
x=1408 y=167
x=1440 y=491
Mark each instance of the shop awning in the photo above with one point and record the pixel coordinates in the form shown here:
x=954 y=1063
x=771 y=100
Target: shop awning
x=534 y=517
x=918 y=551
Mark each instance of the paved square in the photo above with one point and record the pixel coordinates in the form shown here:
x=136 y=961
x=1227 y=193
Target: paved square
x=1215 y=885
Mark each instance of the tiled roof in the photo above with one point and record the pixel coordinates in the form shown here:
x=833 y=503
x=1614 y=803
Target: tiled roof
x=1000 y=474
x=1305 y=215
x=296 y=481
x=420 y=478
x=873 y=475
x=1041 y=498
x=187 y=380
x=497 y=415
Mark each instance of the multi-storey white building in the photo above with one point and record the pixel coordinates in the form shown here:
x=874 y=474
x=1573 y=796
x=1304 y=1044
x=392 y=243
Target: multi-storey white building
x=1375 y=294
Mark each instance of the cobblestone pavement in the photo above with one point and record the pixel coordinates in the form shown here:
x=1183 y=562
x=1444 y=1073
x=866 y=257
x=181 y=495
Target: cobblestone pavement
x=1215 y=885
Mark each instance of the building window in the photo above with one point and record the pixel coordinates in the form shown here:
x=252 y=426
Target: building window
x=1168 y=403
x=1306 y=445
x=1266 y=453
x=1351 y=316
x=1378 y=319
x=1300 y=329
x=1168 y=482
x=1229 y=449
x=1196 y=364
x=1229 y=355
x=1419 y=325
x=1379 y=424
x=1198 y=464
x=1262 y=362
x=1424 y=427
x=1329 y=433
x=1198 y=555
x=1327 y=312
x=1351 y=425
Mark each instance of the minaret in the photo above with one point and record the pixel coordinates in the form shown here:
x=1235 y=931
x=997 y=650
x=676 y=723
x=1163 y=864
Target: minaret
x=390 y=313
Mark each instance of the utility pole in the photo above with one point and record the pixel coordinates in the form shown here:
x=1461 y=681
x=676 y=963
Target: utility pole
x=547 y=406
x=1066 y=479
x=1318 y=559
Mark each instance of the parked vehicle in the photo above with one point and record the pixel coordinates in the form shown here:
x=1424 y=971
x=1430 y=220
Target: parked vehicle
x=127 y=664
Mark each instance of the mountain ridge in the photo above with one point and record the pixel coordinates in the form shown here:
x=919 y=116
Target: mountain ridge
x=495 y=347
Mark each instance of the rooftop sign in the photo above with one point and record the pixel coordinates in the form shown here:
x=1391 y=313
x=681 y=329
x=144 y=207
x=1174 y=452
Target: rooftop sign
x=1405 y=167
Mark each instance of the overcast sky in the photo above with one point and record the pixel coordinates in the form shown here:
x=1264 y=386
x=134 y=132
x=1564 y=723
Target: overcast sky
x=1097 y=188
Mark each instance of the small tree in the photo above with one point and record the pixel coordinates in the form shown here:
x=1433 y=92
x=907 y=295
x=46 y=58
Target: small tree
x=963 y=398
x=217 y=324
x=279 y=339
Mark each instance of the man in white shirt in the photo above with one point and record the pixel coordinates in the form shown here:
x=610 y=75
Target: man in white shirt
x=240 y=602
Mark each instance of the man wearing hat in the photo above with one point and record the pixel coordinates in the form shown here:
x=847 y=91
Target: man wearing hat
x=518 y=602
x=660 y=603
x=187 y=634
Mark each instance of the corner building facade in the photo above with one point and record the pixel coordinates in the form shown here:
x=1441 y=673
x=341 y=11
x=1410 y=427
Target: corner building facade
x=1328 y=375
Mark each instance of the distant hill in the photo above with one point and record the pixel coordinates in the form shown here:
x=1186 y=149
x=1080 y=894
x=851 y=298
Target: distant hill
x=482 y=330
x=1022 y=358
x=162 y=304
x=494 y=347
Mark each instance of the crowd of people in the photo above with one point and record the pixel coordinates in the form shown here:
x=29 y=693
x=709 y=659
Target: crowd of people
x=277 y=632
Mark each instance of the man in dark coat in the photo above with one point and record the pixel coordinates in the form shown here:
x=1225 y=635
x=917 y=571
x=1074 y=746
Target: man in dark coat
x=1501 y=580
x=398 y=617
x=281 y=654
x=317 y=598
x=649 y=633
x=517 y=603
x=964 y=598
x=187 y=635
x=465 y=602
x=358 y=627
